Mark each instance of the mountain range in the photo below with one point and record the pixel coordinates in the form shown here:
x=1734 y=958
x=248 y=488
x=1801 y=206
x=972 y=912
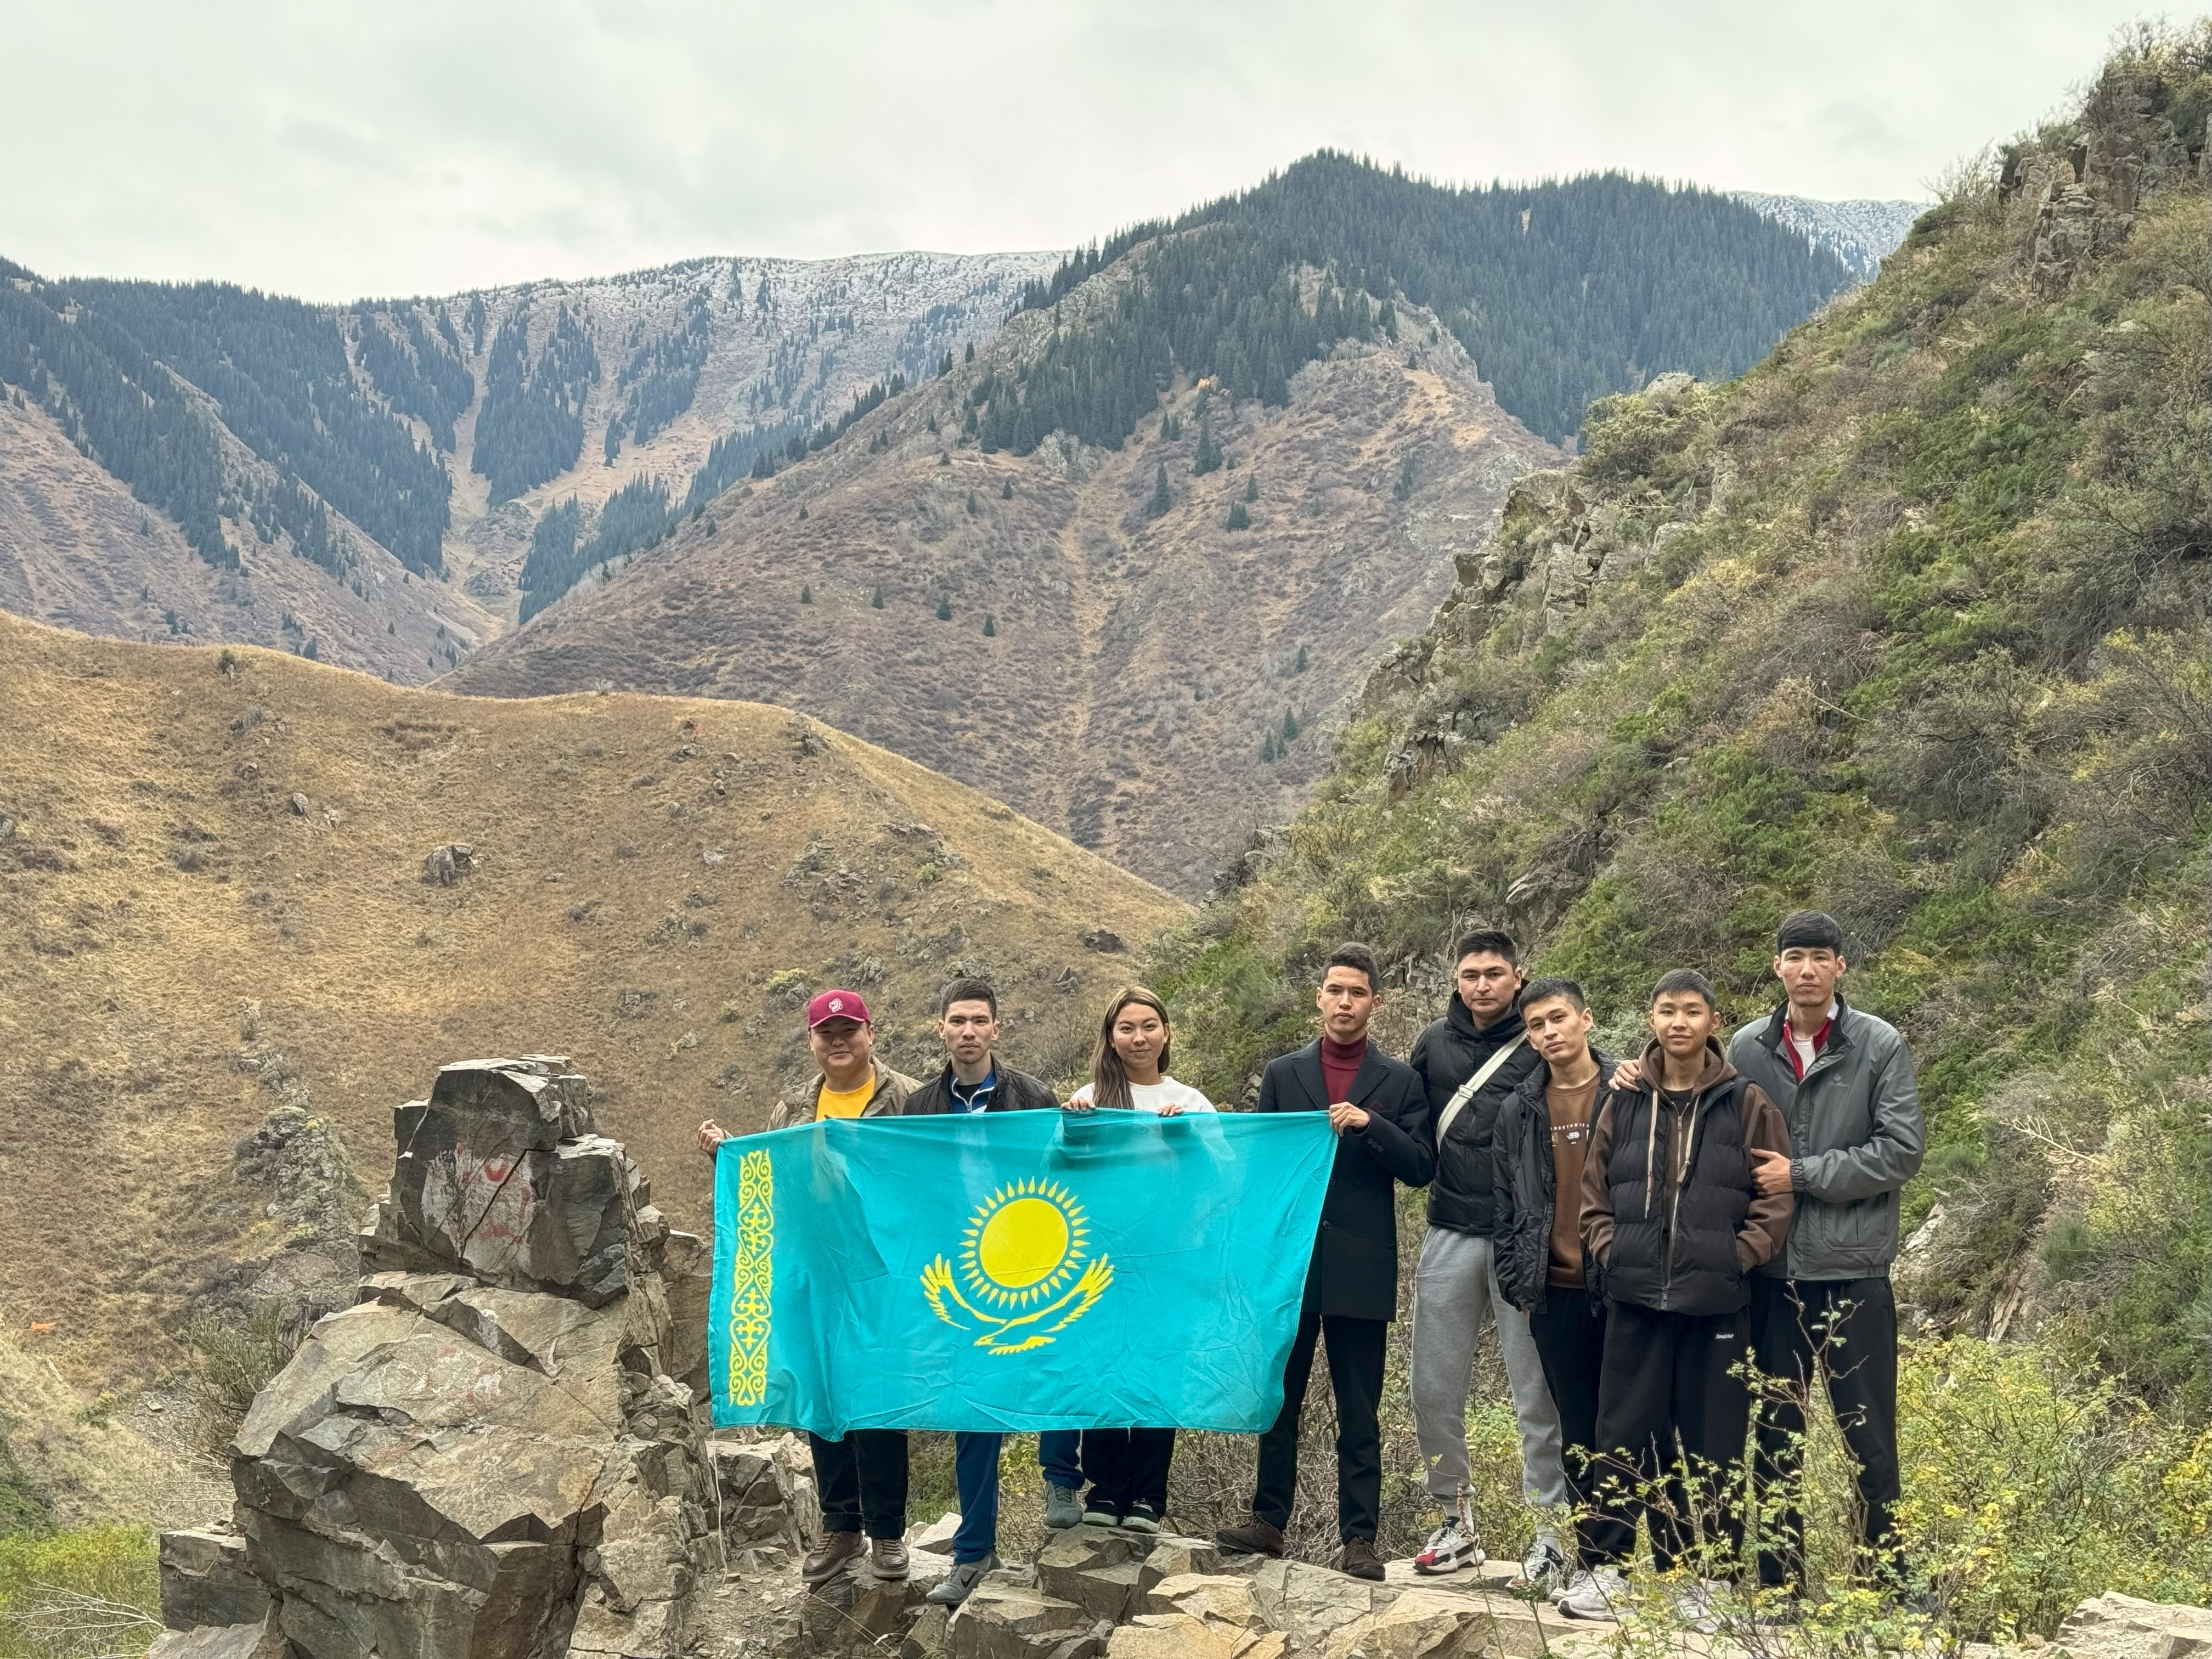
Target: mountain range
x=1274 y=418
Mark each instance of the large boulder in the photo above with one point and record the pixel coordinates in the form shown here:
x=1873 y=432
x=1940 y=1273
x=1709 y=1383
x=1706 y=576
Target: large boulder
x=205 y=1580
x=492 y=1455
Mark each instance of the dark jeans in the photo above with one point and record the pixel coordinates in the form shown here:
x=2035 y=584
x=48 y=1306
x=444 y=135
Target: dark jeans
x=1355 y=1375
x=1666 y=1403
x=1848 y=1327
x=975 y=1477
x=861 y=1480
x=1127 y=1467
x=1060 y=1455
x=1569 y=1331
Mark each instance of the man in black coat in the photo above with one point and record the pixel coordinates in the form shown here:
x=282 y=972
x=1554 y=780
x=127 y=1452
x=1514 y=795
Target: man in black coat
x=1380 y=1113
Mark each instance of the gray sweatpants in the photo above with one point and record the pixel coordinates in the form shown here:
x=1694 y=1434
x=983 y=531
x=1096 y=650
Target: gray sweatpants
x=1454 y=1292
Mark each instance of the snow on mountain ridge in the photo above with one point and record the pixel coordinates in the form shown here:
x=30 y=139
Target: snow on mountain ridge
x=1861 y=233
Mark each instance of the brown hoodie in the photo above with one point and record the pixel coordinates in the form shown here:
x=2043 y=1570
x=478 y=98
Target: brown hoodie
x=1763 y=1130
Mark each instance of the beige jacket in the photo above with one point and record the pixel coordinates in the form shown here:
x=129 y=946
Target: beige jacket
x=889 y=1100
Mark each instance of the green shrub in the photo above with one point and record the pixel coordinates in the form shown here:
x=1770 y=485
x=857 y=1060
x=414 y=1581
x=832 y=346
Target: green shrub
x=77 y=1593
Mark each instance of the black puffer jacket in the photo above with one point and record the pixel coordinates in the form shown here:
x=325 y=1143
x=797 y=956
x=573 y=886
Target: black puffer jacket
x=1449 y=1053
x=1527 y=1184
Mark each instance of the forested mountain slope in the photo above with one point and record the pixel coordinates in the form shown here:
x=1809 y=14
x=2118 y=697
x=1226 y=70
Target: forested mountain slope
x=203 y=461
x=1206 y=471
x=1909 y=624
x=220 y=947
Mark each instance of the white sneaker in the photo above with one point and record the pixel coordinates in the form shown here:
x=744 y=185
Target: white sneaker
x=1560 y=1592
x=1542 y=1568
x=1451 y=1548
x=1699 y=1606
x=1601 y=1594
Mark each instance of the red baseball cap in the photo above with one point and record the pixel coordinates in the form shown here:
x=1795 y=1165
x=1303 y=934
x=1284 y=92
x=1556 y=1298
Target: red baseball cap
x=836 y=1005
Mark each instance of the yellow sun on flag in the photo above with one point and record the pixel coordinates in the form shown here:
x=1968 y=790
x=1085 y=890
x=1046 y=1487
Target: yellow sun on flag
x=1023 y=1244
x=1025 y=1257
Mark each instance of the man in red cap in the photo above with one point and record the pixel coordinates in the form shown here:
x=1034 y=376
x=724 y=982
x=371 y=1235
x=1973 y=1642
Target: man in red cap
x=862 y=1479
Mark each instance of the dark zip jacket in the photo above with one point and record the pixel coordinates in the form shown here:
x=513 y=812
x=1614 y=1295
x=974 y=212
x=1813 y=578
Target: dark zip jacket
x=1527 y=1184
x=1673 y=1219
x=1016 y=1091
x=1449 y=1053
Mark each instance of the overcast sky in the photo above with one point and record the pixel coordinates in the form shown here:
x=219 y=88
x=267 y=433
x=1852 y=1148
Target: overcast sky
x=338 y=150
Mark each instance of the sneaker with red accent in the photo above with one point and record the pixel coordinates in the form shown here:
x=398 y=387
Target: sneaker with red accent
x=1451 y=1548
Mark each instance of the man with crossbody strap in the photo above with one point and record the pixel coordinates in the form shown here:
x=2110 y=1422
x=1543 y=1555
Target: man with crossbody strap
x=1473 y=1061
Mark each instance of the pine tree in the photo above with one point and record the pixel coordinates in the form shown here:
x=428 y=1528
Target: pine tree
x=972 y=508
x=971 y=352
x=1299 y=667
x=990 y=626
x=805 y=594
x=1161 y=500
x=1007 y=491
x=1290 y=728
x=802 y=512
x=1404 y=487
x=944 y=609
x=1239 y=517
x=1208 y=458
x=876 y=599
x=1252 y=487
x=1268 y=748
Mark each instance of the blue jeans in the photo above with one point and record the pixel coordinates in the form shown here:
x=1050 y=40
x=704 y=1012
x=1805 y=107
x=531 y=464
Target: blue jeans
x=1059 y=1455
x=975 y=1476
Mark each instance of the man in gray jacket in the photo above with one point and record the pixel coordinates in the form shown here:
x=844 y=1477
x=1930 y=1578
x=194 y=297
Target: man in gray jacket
x=1844 y=1085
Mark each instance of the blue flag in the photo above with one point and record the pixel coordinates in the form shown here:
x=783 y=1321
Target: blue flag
x=1014 y=1270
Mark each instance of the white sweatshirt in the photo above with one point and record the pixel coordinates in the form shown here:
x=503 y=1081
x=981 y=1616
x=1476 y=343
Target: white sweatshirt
x=1151 y=1096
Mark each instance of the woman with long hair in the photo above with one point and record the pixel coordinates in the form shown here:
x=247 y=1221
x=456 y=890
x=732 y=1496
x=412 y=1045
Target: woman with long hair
x=1127 y=1468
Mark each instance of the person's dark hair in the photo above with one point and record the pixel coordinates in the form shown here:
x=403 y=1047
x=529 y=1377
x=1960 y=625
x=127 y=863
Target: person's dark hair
x=1486 y=942
x=1359 y=959
x=967 y=988
x=1109 y=1082
x=1808 y=930
x=1539 y=990
x=1679 y=980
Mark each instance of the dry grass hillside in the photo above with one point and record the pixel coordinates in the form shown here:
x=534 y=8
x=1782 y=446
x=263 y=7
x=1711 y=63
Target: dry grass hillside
x=217 y=945
x=1138 y=665
x=77 y=550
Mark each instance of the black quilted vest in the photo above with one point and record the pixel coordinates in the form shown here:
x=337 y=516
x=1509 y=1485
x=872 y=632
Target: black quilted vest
x=1672 y=1250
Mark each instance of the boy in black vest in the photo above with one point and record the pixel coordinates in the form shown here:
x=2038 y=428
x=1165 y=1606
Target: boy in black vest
x=1674 y=1218
x=1542 y=1146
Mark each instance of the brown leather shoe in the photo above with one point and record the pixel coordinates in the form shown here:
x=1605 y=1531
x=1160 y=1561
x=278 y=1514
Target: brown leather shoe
x=1358 y=1559
x=887 y=1558
x=1254 y=1537
x=828 y=1558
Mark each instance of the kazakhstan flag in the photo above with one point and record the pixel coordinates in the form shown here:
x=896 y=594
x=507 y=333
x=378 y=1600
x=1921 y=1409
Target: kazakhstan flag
x=1014 y=1270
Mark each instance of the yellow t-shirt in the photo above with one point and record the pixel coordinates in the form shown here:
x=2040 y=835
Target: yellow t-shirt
x=848 y=1103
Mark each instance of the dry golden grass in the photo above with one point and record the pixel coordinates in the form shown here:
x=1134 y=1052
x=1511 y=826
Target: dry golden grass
x=215 y=885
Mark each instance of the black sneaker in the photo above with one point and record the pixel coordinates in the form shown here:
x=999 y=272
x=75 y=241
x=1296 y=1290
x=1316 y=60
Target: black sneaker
x=1141 y=1517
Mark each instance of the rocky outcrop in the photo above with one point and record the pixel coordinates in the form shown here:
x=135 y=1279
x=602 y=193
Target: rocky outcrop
x=2117 y=1626
x=1562 y=538
x=494 y=1454
x=1101 y=1593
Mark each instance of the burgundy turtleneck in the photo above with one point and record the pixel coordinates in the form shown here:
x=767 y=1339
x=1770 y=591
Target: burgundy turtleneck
x=1340 y=1064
